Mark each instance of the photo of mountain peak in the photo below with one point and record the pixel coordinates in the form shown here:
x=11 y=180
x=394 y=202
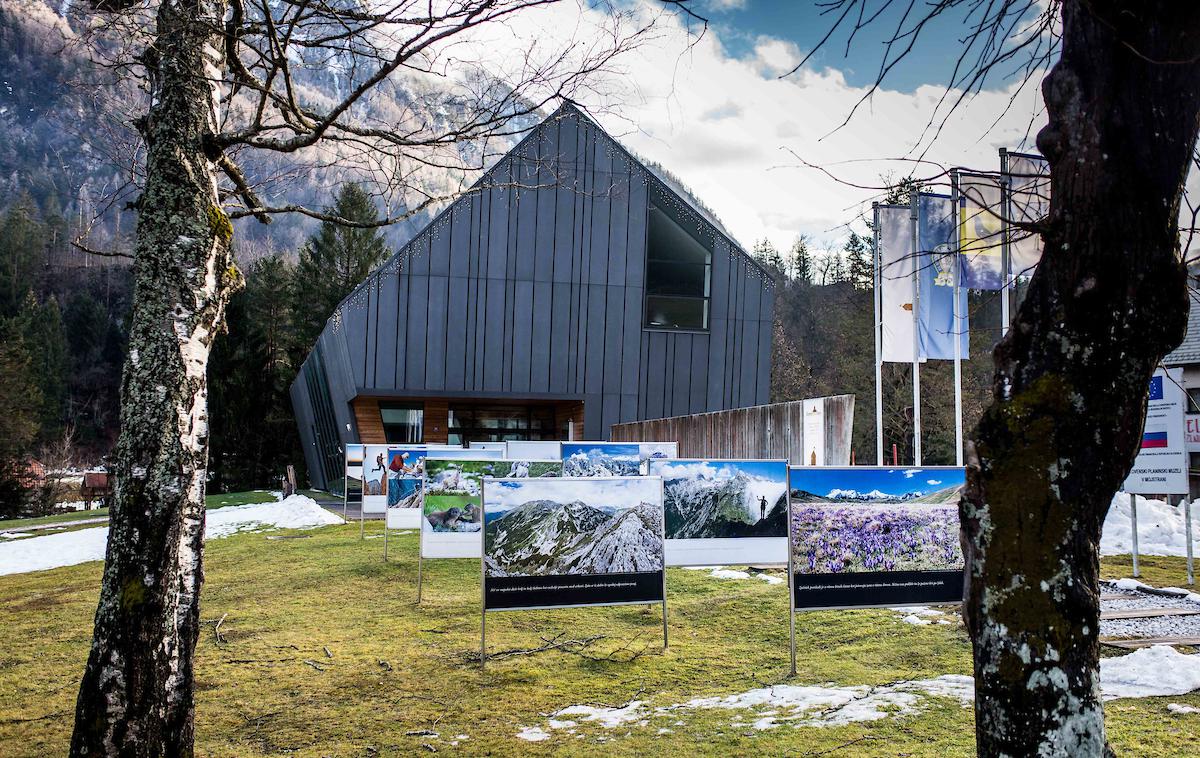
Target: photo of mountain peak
x=547 y=527
x=723 y=498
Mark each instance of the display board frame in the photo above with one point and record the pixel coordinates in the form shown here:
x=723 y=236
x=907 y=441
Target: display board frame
x=779 y=544
x=483 y=584
x=950 y=597
x=473 y=549
x=355 y=452
x=642 y=448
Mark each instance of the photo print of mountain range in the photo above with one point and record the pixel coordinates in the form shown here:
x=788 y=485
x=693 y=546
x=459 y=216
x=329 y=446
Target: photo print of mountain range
x=613 y=458
x=875 y=536
x=555 y=542
x=453 y=509
x=723 y=512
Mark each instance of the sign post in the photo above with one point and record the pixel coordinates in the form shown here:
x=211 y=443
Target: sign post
x=1187 y=524
x=1161 y=466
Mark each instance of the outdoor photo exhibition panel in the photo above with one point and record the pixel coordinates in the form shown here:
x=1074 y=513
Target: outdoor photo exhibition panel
x=586 y=459
x=530 y=450
x=405 y=471
x=868 y=536
x=724 y=512
x=353 y=489
x=452 y=522
x=375 y=479
x=568 y=542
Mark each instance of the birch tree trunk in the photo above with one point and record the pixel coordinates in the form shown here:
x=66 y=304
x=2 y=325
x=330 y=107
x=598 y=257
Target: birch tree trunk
x=136 y=695
x=1109 y=299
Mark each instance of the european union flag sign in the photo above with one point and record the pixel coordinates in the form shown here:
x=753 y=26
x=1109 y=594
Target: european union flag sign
x=1156 y=390
x=936 y=260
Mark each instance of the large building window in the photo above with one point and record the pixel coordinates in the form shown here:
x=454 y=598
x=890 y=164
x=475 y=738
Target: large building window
x=487 y=423
x=403 y=422
x=678 y=267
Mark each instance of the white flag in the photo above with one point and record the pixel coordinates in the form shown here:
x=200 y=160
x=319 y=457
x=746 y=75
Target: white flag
x=896 y=261
x=1029 y=201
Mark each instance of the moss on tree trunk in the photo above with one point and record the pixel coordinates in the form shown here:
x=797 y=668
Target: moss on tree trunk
x=1106 y=303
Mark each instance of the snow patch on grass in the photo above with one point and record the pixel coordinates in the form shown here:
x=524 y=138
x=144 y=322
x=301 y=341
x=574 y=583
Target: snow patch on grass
x=721 y=572
x=1150 y=672
x=533 y=734
x=71 y=548
x=1180 y=709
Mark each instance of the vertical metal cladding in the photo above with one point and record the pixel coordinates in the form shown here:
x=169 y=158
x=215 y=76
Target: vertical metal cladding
x=531 y=286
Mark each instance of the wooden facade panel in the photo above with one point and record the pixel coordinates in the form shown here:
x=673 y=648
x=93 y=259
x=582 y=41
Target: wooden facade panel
x=761 y=431
x=368 y=420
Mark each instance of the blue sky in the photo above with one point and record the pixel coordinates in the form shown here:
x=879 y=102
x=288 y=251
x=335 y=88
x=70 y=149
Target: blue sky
x=627 y=451
x=741 y=23
x=893 y=481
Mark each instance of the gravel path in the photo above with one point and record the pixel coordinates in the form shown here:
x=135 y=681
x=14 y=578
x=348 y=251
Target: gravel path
x=1161 y=626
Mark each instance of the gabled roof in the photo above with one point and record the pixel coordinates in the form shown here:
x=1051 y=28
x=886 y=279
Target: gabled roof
x=1188 y=350
x=488 y=179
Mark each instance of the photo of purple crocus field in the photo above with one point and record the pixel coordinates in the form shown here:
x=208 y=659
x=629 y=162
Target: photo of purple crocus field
x=858 y=519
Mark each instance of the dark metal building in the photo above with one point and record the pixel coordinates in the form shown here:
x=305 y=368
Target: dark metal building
x=571 y=287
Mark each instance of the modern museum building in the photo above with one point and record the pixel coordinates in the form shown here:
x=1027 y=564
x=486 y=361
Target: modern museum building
x=571 y=288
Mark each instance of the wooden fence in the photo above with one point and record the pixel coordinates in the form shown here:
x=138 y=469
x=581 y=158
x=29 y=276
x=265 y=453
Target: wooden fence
x=760 y=431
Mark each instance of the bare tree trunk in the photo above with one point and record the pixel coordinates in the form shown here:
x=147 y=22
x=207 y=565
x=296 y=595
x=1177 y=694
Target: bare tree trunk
x=136 y=695
x=1107 y=302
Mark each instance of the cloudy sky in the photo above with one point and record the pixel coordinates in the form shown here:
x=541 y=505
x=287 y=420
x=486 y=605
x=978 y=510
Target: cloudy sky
x=716 y=112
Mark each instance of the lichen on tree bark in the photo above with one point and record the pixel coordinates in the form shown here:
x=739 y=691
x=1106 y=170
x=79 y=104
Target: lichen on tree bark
x=136 y=695
x=1108 y=300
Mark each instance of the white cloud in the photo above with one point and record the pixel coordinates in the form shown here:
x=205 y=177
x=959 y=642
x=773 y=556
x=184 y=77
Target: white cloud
x=674 y=107
x=725 y=124
x=909 y=473
x=934 y=482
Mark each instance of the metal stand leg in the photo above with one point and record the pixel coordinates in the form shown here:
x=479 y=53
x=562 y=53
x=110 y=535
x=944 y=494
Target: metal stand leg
x=419 y=564
x=665 y=643
x=483 y=638
x=792 y=625
x=361 y=525
x=1133 y=520
x=385 y=536
x=1187 y=522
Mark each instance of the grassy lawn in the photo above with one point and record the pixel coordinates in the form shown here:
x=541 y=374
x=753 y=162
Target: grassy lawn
x=212 y=501
x=394 y=669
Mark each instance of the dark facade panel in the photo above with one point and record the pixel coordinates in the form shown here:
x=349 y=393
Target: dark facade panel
x=532 y=286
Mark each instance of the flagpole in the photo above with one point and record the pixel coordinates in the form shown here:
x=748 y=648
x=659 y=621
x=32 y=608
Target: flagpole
x=958 y=323
x=878 y=325
x=1005 y=190
x=914 y=212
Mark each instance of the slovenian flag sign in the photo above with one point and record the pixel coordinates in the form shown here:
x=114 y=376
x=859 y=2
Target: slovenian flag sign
x=1154 y=439
x=1156 y=389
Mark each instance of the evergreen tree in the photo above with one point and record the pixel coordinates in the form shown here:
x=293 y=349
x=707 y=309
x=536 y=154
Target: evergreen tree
x=766 y=254
x=334 y=261
x=22 y=244
x=253 y=431
x=20 y=400
x=859 y=268
x=41 y=328
x=802 y=261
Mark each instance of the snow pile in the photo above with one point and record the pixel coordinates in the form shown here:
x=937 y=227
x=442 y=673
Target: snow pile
x=838 y=706
x=1161 y=529
x=1149 y=672
x=721 y=572
x=1180 y=709
x=770 y=706
x=69 y=548
x=296 y=512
